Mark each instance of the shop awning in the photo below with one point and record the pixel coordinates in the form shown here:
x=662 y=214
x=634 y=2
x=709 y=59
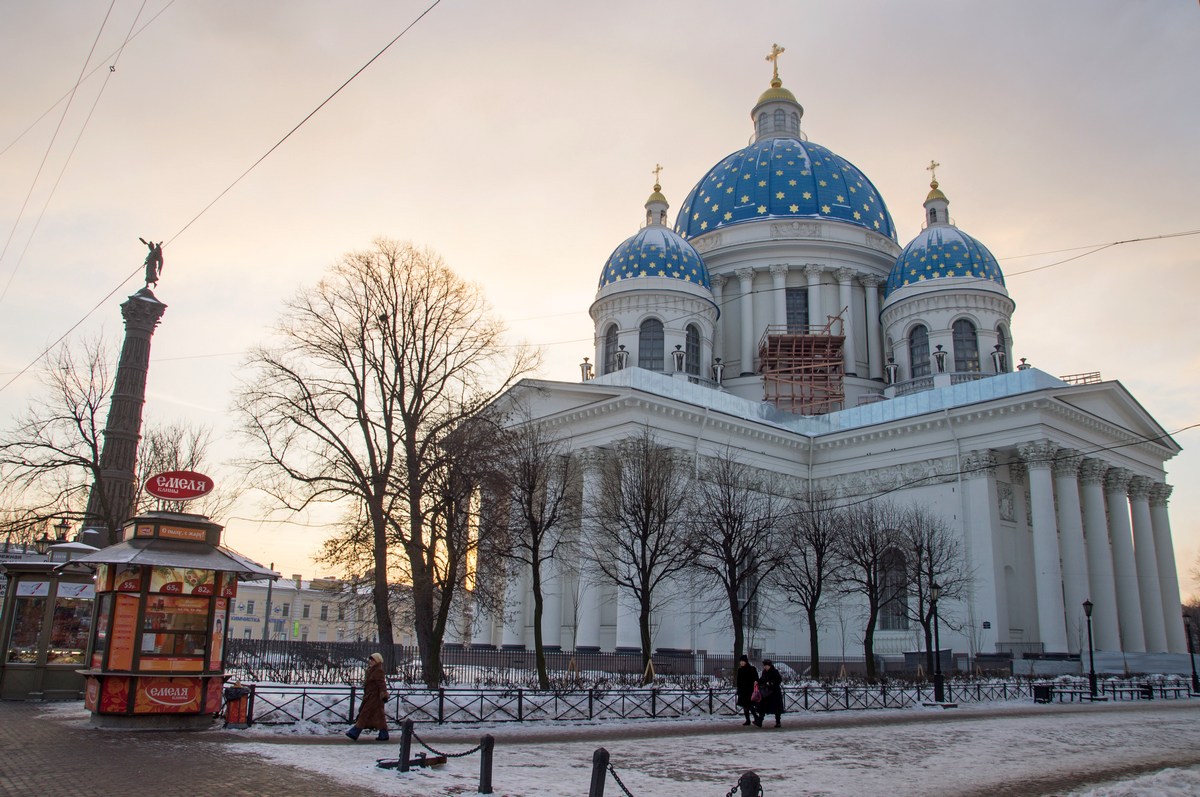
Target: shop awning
x=177 y=553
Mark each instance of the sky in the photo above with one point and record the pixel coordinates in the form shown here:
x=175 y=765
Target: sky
x=518 y=141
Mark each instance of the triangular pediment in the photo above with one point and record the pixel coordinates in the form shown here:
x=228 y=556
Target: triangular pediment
x=1112 y=403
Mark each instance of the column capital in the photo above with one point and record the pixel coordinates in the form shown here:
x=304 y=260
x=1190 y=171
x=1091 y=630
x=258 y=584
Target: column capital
x=745 y=274
x=844 y=275
x=979 y=464
x=1091 y=471
x=812 y=270
x=1038 y=455
x=870 y=281
x=1116 y=480
x=1066 y=462
x=1160 y=493
x=1139 y=488
x=779 y=269
x=717 y=281
x=590 y=457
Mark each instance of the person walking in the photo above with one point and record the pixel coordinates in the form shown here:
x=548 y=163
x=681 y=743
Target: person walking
x=770 y=687
x=372 y=714
x=745 y=679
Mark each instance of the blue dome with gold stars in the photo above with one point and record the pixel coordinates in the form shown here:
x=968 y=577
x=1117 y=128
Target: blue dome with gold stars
x=942 y=251
x=655 y=251
x=783 y=177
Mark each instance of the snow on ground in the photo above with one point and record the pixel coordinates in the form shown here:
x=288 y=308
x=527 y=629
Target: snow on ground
x=1148 y=749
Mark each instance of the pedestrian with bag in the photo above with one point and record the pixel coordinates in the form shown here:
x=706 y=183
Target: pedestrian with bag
x=770 y=688
x=372 y=714
x=745 y=679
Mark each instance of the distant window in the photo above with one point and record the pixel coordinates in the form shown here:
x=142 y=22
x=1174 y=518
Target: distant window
x=650 y=345
x=893 y=592
x=966 y=346
x=691 y=361
x=246 y=634
x=324 y=612
x=610 y=349
x=1002 y=339
x=286 y=610
x=932 y=215
x=249 y=607
x=341 y=612
x=780 y=120
x=762 y=123
x=796 y=303
x=304 y=612
x=918 y=352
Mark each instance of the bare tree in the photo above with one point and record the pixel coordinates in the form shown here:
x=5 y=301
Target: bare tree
x=812 y=564
x=932 y=555
x=872 y=571
x=735 y=541
x=50 y=457
x=179 y=446
x=537 y=477
x=374 y=369
x=641 y=537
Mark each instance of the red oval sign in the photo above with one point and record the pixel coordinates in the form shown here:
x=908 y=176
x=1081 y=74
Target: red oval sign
x=179 y=485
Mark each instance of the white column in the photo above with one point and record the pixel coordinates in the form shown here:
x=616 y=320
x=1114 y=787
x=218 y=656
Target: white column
x=587 y=629
x=989 y=602
x=746 y=278
x=1071 y=545
x=514 y=609
x=1047 y=571
x=779 y=293
x=552 y=600
x=845 y=277
x=718 y=291
x=874 y=331
x=1168 y=579
x=629 y=635
x=812 y=272
x=1129 y=608
x=1149 y=590
x=1105 y=624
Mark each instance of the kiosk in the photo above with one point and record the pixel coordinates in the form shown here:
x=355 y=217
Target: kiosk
x=162 y=610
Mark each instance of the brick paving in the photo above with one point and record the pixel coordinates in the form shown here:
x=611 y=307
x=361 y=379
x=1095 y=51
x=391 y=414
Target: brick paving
x=44 y=755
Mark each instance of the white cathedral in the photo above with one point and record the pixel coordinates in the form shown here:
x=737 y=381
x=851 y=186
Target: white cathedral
x=780 y=318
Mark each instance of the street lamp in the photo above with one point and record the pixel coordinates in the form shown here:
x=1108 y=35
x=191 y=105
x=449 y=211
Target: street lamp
x=939 y=687
x=42 y=544
x=1087 y=611
x=1187 y=627
x=60 y=530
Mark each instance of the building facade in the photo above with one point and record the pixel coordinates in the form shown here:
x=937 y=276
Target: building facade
x=298 y=609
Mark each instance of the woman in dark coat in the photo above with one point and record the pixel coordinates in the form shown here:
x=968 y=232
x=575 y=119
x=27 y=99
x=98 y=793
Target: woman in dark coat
x=746 y=678
x=372 y=714
x=770 y=686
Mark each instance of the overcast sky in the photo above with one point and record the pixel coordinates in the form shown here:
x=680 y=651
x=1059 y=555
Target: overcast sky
x=517 y=139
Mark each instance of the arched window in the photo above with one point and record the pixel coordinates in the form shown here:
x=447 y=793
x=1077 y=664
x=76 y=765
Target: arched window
x=966 y=346
x=795 y=123
x=1002 y=339
x=650 y=345
x=893 y=592
x=933 y=215
x=610 y=349
x=691 y=360
x=918 y=352
x=762 y=123
x=780 y=120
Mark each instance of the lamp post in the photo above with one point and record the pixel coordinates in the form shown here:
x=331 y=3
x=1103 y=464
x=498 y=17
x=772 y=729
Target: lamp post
x=42 y=544
x=1087 y=611
x=939 y=687
x=1187 y=628
x=60 y=530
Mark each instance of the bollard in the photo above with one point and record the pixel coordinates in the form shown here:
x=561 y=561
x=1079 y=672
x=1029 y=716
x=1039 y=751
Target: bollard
x=599 y=771
x=406 y=732
x=749 y=785
x=486 y=746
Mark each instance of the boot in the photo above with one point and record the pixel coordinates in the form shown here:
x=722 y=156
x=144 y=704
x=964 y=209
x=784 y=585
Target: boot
x=353 y=734
x=758 y=722
x=383 y=736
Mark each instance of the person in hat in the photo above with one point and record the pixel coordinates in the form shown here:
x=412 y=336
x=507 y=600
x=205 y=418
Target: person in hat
x=770 y=687
x=372 y=714
x=745 y=679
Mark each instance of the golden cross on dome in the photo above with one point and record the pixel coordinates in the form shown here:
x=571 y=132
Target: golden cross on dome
x=776 y=51
x=657 y=172
x=932 y=169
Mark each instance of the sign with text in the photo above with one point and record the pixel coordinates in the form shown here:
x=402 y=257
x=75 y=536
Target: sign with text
x=179 y=485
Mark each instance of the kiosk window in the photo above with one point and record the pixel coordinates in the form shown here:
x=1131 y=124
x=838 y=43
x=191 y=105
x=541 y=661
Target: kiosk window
x=175 y=626
x=26 y=628
x=69 y=630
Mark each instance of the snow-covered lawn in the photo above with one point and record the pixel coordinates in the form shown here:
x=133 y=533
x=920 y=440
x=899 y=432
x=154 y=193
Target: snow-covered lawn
x=1015 y=749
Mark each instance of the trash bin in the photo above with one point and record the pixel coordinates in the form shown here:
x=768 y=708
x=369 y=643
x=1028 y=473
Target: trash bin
x=237 y=706
x=1147 y=691
x=1042 y=693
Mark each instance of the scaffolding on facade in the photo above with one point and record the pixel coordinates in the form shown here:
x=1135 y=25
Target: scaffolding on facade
x=802 y=367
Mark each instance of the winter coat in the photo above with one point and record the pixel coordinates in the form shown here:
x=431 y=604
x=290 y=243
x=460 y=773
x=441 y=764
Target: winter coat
x=770 y=684
x=747 y=676
x=371 y=714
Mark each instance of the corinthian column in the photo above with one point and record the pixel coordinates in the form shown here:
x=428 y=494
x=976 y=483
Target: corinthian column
x=587 y=621
x=746 y=277
x=718 y=291
x=846 y=300
x=1070 y=540
x=1100 y=565
x=1149 y=590
x=779 y=293
x=812 y=272
x=1047 y=571
x=989 y=601
x=874 y=332
x=1129 y=609
x=1168 y=579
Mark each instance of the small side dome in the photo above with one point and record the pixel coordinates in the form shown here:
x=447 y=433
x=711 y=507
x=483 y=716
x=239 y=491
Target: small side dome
x=655 y=251
x=942 y=251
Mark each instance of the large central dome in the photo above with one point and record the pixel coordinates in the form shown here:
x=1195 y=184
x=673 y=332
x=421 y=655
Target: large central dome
x=777 y=178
